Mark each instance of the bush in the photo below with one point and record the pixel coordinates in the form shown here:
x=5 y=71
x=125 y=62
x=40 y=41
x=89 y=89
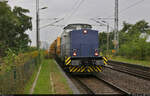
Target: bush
x=16 y=71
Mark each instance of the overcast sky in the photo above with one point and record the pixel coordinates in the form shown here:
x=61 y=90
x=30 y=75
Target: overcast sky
x=80 y=11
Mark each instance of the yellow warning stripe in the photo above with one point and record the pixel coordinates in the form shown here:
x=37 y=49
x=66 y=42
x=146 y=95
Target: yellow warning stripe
x=83 y=69
x=80 y=69
x=98 y=69
x=67 y=59
x=75 y=69
x=105 y=63
x=94 y=68
x=68 y=62
x=72 y=69
x=90 y=68
x=105 y=59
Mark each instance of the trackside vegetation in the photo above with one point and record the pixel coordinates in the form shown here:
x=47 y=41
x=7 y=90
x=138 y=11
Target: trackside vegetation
x=13 y=26
x=18 y=60
x=127 y=60
x=51 y=80
x=16 y=72
x=134 y=41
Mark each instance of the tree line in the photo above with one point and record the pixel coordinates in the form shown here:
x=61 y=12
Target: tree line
x=133 y=40
x=13 y=26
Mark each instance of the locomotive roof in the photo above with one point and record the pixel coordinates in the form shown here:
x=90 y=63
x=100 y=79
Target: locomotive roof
x=72 y=26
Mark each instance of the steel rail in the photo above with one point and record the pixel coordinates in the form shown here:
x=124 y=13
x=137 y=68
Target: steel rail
x=134 y=72
x=113 y=86
x=144 y=68
x=89 y=91
x=84 y=86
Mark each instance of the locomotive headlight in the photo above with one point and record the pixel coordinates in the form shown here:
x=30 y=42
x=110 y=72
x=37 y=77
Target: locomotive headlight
x=96 y=52
x=85 y=31
x=74 y=52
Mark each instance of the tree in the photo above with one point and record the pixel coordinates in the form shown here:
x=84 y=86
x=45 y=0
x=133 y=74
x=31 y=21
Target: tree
x=103 y=41
x=132 y=40
x=132 y=43
x=24 y=24
x=13 y=24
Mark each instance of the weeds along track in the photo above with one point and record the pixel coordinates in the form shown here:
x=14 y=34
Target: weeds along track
x=132 y=69
x=96 y=85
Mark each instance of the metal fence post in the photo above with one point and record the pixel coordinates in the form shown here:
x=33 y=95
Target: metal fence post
x=0 y=67
x=14 y=70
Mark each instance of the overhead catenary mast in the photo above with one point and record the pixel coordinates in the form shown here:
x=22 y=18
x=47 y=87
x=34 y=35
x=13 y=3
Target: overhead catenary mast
x=116 y=33
x=37 y=24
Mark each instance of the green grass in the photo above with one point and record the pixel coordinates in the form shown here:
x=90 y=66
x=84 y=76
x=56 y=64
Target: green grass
x=139 y=62
x=43 y=85
x=61 y=78
x=30 y=82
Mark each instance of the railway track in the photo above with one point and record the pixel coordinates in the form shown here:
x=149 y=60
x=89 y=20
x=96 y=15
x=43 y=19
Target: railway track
x=132 y=69
x=122 y=82
x=84 y=86
x=97 y=85
x=113 y=86
x=140 y=67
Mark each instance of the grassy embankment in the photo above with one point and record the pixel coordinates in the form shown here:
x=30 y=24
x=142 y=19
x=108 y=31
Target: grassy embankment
x=29 y=84
x=132 y=61
x=15 y=83
x=51 y=80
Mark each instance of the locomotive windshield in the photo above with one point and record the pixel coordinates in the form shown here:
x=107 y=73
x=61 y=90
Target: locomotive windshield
x=78 y=26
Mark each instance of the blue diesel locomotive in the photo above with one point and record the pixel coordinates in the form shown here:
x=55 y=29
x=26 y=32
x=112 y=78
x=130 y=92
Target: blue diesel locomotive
x=79 y=49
